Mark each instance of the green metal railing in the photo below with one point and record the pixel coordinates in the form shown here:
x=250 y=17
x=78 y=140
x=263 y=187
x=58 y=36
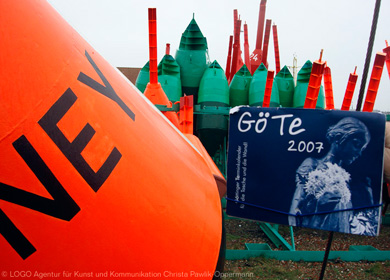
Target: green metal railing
x=355 y=254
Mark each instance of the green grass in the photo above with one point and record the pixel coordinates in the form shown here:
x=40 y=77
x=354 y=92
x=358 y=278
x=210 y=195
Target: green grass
x=378 y=270
x=259 y=267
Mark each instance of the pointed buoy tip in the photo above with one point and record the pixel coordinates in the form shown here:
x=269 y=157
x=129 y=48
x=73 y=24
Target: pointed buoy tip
x=321 y=53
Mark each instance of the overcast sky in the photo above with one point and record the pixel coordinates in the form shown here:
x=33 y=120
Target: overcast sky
x=118 y=30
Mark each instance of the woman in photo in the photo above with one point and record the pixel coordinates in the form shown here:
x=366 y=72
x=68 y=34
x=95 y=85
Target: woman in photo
x=323 y=188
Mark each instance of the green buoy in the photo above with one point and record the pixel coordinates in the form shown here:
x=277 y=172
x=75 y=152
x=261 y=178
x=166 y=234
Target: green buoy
x=302 y=85
x=213 y=91
x=169 y=78
x=193 y=58
x=143 y=78
x=257 y=88
x=239 y=87
x=285 y=82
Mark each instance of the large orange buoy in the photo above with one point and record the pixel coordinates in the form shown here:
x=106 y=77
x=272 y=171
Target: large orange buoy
x=94 y=181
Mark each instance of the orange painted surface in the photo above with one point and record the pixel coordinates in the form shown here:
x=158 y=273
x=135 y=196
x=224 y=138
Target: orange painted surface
x=246 y=47
x=375 y=80
x=236 y=63
x=93 y=178
x=276 y=48
x=152 y=20
x=328 y=88
x=220 y=180
x=387 y=52
x=157 y=96
x=266 y=42
x=256 y=56
x=186 y=114
x=229 y=58
x=268 y=88
x=153 y=90
x=349 y=91
x=313 y=89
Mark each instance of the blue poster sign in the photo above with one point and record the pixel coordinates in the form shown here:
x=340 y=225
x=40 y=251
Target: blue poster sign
x=310 y=168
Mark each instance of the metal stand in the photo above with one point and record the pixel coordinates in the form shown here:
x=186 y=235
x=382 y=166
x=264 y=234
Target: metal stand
x=271 y=230
x=330 y=239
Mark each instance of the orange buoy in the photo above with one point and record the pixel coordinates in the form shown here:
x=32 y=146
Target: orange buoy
x=153 y=91
x=349 y=91
x=329 y=100
x=375 y=79
x=387 y=52
x=219 y=178
x=94 y=181
x=314 y=87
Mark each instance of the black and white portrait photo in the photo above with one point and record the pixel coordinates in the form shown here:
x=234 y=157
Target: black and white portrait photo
x=307 y=168
x=323 y=186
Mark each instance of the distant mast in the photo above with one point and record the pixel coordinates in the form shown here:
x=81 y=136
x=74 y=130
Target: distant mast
x=256 y=56
x=387 y=52
x=266 y=43
x=246 y=47
x=236 y=49
x=168 y=49
x=276 y=48
x=229 y=58
x=153 y=77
